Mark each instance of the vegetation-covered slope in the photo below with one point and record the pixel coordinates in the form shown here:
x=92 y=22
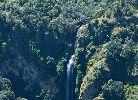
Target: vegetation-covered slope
x=37 y=38
x=110 y=55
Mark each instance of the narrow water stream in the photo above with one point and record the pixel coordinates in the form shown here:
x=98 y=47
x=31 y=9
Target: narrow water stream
x=69 y=88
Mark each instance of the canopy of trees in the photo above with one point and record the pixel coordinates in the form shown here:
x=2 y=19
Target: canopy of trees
x=37 y=38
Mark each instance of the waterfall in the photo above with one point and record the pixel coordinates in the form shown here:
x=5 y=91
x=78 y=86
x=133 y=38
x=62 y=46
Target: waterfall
x=69 y=88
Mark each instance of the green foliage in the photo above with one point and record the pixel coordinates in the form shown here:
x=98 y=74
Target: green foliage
x=119 y=58
x=19 y=98
x=100 y=31
x=7 y=95
x=60 y=66
x=5 y=84
x=45 y=95
x=3 y=47
x=5 y=89
x=100 y=97
x=113 y=90
x=131 y=92
x=112 y=38
x=43 y=34
x=96 y=76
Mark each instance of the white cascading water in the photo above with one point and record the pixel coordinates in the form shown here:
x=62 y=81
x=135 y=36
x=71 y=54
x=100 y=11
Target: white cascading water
x=70 y=68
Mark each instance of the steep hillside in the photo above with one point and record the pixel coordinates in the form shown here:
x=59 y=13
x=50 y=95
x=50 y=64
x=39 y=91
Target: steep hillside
x=106 y=58
x=37 y=38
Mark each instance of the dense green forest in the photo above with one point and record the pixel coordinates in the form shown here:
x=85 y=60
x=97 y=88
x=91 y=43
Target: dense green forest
x=38 y=37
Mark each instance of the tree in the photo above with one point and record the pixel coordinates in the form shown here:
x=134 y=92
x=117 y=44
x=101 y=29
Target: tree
x=6 y=92
x=120 y=58
x=113 y=90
